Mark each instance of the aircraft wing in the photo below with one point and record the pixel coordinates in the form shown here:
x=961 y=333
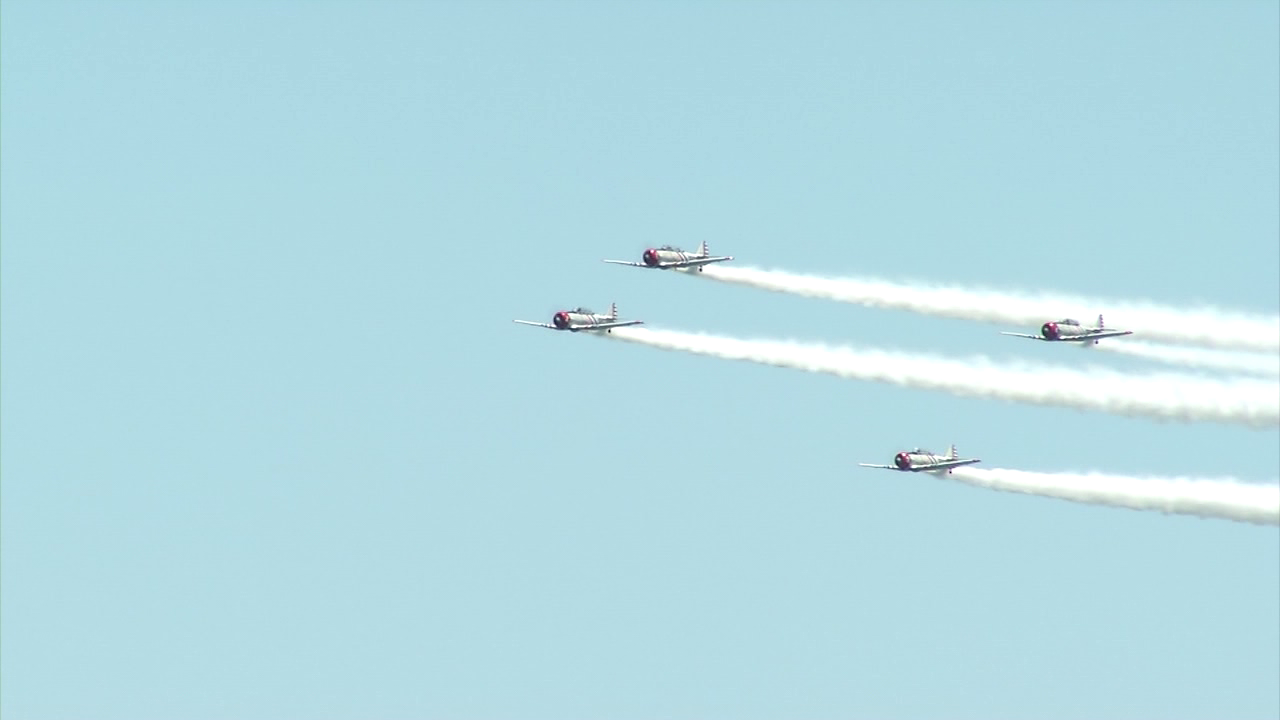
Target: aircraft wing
x=1094 y=336
x=1033 y=337
x=947 y=464
x=886 y=467
x=695 y=262
x=535 y=324
x=1108 y=333
x=692 y=262
x=608 y=326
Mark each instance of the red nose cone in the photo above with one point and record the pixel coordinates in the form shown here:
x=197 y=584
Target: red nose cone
x=902 y=460
x=1050 y=330
x=650 y=257
x=561 y=320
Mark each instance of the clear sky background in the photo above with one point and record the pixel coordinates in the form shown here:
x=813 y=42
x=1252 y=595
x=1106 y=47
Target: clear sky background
x=272 y=446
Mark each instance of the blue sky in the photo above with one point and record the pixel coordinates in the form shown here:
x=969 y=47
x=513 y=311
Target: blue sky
x=272 y=446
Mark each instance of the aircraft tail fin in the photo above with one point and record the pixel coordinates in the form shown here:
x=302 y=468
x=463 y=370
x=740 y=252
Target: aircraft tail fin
x=613 y=311
x=703 y=251
x=1100 y=325
x=953 y=454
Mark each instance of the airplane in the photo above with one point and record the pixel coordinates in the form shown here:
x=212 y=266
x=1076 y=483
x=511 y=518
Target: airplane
x=581 y=318
x=1070 y=330
x=918 y=460
x=673 y=258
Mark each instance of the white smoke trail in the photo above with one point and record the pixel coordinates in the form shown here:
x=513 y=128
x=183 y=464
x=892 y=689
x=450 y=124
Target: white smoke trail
x=1204 y=326
x=1254 y=403
x=1225 y=498
x=1250 y=363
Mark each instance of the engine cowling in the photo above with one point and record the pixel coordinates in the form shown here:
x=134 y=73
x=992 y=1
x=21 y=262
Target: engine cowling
x=650 y=257
x=560 y=320
x=902 y=461
x=1050 y=331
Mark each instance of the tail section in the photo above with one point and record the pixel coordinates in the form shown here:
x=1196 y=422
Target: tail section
x=613 y=311
x=953 y=454
x=1100 y=325
x=703 y=251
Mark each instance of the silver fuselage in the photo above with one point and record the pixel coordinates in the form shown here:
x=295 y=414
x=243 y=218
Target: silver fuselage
x=917 y=460
x=653 y=257
x=1059 y=330
x=568 y=320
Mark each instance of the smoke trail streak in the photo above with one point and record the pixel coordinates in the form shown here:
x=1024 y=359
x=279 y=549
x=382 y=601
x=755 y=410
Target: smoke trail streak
x=1227 y=499
x=1201 y=326
x=1254 y=403
x=1250 y=363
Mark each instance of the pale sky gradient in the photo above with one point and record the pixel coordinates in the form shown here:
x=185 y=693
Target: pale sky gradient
x=273 y=448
